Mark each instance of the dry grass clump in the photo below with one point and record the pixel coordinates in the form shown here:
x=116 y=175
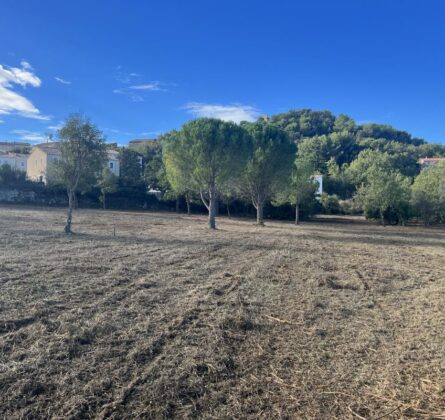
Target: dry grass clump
x=167 y=319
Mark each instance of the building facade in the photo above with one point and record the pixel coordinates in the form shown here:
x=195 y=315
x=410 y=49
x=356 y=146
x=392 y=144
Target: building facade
x=43 y=154
x=17 y=161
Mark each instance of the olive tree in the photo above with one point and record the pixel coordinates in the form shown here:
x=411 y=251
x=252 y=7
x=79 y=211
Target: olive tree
x=82 y=155
x=269 y=163
x=207 y=154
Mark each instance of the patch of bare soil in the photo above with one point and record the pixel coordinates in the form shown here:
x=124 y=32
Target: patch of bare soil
x=168 y=319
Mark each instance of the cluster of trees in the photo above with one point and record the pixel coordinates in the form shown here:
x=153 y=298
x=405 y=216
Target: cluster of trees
x=370 y=168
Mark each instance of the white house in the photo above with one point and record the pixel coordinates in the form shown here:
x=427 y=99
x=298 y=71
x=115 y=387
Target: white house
x=113 y=162
x=319 y=179
x=17 y=161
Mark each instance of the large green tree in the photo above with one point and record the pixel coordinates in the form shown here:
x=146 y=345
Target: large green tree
x=209 y=153
x=382 y=191
x=269 y=163
x=130 y=173
x=82 y=156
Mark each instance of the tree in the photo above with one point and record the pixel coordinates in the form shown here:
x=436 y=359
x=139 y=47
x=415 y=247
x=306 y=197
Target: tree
x=269 y=163
x=108 y=183
x=300 y=190
x=385 y=193
x=178 y=174
x=82 y=156
x=209 y=153
x=130 y=168
x=428 y=194
x=304 y=123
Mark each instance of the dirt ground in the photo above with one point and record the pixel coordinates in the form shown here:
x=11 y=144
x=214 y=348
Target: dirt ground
x=167 y=319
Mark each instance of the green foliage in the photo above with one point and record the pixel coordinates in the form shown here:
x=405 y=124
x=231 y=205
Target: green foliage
x=108 y=183
x=383 y=131
x=207 y=154
x=383 y=192
x=83 y=152
x=428 y=194
x=304 y=123
x=300 y=190
x=130 y=168
x=269 y=163
x=330 y=203
x=10 y=177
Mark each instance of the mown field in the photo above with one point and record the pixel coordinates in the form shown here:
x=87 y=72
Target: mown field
x=167 y=319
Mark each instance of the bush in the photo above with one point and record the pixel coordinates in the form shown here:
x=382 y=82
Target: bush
x=330 y=203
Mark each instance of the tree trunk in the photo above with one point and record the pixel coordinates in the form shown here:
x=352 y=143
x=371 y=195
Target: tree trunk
x=103 y=200
x=70 y=212
x=297 y=214
x=382 y=218
x=212 y=207
x=228 y=209
x=260 y=213
x=177 y=204
x=187 y=200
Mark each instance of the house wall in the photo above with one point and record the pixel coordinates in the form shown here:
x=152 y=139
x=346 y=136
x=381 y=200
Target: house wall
x=319 y=179
x=15 y=161
x=37 y=165
x=114 y=166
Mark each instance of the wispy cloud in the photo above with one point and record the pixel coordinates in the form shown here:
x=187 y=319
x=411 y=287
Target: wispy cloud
x=12 y=102
x=232 y=112
x=134 y=92
x=26 y=65
x=31 y=136
x=151 y=133
x=56 y=127
x=148 y=86
x=63 y=81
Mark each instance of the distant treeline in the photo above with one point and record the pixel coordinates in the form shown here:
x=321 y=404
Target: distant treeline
x=266 y=167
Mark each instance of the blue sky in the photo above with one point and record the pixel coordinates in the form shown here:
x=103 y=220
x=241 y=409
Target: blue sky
x=139 y=68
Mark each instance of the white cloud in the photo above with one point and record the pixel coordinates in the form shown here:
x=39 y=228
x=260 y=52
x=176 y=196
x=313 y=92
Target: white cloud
x=232 y=112
x=130 y=91
x=55 y=127
x=63 y=81
x=151 y=133
x=148 y=86
x=12 y=102
x=26 y=65
x=30 y=136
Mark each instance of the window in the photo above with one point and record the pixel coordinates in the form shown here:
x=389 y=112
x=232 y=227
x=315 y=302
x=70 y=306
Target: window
x=111 y=165
x=22 y=164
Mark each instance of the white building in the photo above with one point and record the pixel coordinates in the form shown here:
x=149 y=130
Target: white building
x=17 y=161
x=319 y=180
x=113 y=163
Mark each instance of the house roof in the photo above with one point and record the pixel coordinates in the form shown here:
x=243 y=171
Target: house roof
x=49 y=148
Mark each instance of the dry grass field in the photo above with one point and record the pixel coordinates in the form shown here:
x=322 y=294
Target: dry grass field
x=167 y=319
